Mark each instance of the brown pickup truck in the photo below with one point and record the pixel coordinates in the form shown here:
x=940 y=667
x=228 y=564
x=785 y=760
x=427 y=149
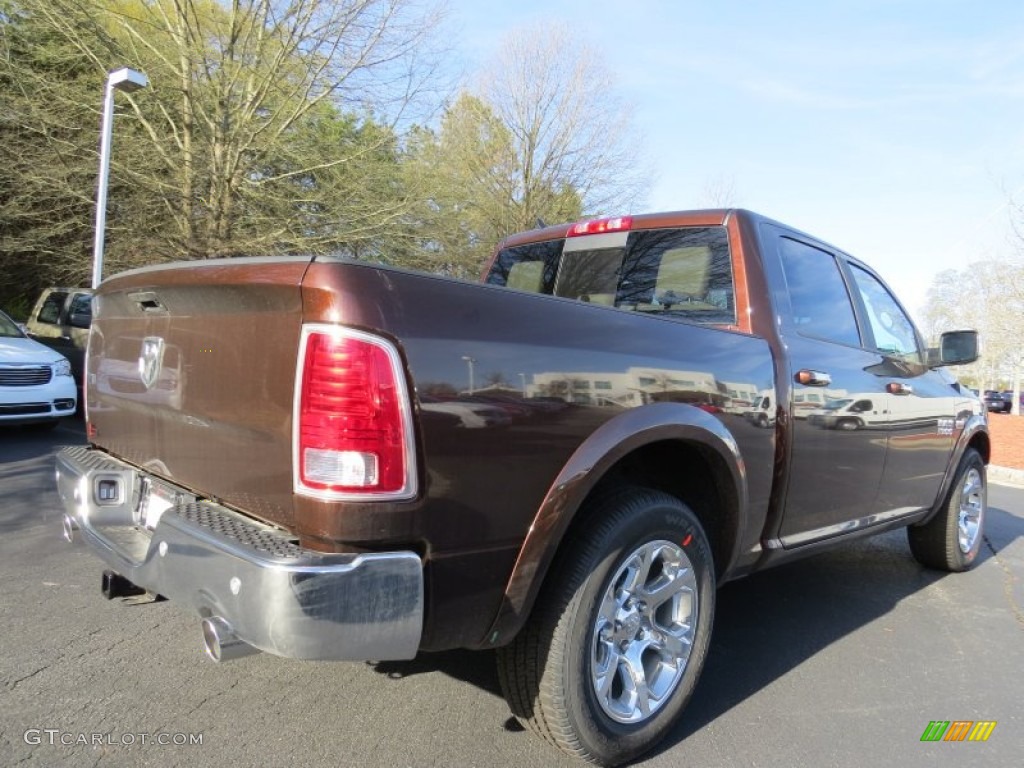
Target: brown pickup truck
x=329 y=459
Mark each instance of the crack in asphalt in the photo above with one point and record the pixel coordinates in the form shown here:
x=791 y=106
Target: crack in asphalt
x=11 y=685
x=1008 y=581
x=217 y=694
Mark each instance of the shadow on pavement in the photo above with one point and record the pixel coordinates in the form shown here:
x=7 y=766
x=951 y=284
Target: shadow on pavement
x=765 y=626
x=24 y=442
x=1001 y=530
x=770 y=623
x=26 y=466
x=474 y=667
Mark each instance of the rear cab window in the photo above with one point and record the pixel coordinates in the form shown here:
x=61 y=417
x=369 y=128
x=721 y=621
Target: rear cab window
x=677 y=272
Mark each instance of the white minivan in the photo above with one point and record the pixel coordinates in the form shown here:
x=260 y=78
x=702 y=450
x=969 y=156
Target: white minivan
x=36 y=386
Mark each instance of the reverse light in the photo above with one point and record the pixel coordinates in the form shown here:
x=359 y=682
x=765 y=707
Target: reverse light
x=353 y=422
x=599 y=226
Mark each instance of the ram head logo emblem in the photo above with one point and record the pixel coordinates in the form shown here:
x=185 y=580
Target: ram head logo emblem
x=150 y=360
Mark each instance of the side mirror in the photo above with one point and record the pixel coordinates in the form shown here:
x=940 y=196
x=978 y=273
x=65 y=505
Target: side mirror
x=80 y=319
x=955 y=348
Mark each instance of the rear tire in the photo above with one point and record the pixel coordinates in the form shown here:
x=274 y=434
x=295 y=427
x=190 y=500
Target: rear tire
x=616 y=642
x=952 y=539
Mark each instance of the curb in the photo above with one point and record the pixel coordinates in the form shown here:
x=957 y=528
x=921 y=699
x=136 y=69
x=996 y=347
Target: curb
x=1006 y=476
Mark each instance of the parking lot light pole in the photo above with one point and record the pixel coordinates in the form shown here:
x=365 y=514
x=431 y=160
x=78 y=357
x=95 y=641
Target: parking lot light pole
x=470 y=361
x=126 y=80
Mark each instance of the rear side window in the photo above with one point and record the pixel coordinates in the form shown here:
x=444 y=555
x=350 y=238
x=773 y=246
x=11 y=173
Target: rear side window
x=50 y=311
x=527 y=267
x=681 y=272
x=817 y=294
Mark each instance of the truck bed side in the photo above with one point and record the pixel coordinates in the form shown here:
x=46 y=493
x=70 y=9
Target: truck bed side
x=555 y=371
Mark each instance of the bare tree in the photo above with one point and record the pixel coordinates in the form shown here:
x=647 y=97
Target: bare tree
x=987 y=296
x=46 y=175
x=719 y=191
x=569 y=130
x=251 y=107
x=462 y=174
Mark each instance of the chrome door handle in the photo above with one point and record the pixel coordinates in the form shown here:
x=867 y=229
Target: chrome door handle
x=812 y=378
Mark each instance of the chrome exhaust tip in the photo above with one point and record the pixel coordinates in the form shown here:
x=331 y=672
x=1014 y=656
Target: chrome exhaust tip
x=69 y=529
x=221 y=643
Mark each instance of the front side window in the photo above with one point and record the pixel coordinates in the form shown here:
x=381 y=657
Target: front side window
x=81 y=304
x=894 y=333
x=817 y=293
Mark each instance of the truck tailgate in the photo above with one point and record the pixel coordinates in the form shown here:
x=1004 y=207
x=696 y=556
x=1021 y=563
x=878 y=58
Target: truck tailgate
x=191 y=372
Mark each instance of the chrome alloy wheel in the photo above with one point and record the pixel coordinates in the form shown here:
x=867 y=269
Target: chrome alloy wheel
x=972 y=510
x=644 y=632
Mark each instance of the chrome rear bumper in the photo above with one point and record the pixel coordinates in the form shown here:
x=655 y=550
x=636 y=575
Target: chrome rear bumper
x=275 y=595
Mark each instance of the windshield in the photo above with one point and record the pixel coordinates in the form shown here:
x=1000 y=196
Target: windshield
x=8 y=328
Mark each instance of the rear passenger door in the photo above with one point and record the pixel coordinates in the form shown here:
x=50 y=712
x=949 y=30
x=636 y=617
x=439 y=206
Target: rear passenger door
x=834 y=473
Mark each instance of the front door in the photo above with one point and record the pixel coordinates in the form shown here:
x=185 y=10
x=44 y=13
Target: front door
x=922 y=403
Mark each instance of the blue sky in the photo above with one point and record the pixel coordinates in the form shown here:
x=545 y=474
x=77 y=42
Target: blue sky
x=892 y=129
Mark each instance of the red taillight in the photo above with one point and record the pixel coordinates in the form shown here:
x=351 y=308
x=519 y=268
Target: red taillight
x=352 y=417
x=599 y=226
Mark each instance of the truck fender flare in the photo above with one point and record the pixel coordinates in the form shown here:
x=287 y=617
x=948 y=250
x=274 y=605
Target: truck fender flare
x=589 y=463
x=975 y=425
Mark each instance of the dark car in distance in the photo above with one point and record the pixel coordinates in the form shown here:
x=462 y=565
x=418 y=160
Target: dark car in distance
x=999 y=402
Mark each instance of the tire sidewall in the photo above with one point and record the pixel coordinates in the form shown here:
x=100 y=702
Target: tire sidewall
x=964 y=560
x=602 y=736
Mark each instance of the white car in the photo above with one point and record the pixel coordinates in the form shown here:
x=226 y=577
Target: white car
x=36 y=386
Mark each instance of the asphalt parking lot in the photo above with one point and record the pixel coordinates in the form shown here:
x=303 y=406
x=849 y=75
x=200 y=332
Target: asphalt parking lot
x=842 y=659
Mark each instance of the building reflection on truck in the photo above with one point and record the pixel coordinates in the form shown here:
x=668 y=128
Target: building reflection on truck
x=879 y=410
x=848 y=413
x=552 y=392
x=641 y=385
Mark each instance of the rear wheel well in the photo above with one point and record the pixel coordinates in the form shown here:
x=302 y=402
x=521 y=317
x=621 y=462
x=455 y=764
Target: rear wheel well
x=691 y=472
